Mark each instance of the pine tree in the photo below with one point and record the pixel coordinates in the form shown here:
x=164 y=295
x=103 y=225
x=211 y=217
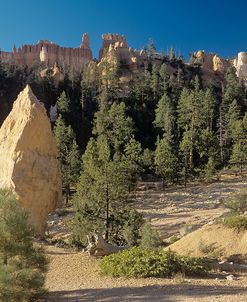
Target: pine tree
x=233 y=97
x=190 y=116
x=22 y=265
x=239 y=151
x=171 y=54
x=63 y=104
x=165 y=117
x=68 y=155
x=208 y=110
x=165 y=161
x=155 y=81
x=151 y=49
x=113 y=123
x=185 y=148
x=102 y=191
x=133 y=160
x=164 y=74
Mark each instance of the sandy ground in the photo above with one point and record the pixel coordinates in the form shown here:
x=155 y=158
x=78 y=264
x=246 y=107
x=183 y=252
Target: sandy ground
x=174 y=209
x=74 y=277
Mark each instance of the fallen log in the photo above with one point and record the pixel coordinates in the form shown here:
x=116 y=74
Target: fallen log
x=97 y=246
x=229 y=267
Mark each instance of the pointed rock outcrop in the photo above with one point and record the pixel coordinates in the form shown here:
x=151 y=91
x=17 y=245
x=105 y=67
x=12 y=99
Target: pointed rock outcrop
x=28 y=158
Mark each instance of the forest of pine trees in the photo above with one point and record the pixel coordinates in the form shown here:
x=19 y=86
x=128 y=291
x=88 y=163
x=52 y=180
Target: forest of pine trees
x=168 y=124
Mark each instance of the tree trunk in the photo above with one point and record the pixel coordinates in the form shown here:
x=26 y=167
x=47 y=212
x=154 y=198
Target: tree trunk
x=97 y=246
x=67 y=192
x=107 y=222
x=185 y=171
x=5 y=259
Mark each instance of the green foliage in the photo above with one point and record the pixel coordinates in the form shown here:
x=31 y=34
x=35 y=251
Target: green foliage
x=239 y=150
x=101 y=198
x=68 y=154
x=165 y=161
x=22 y=265
x=63 y=104
x=238 y=204
x=114 y=125
x=173 y=239
x=147 y=160
x=164 y=117
x=149 y=237
x=139 y=262
x=209 y=170
x=236 y=222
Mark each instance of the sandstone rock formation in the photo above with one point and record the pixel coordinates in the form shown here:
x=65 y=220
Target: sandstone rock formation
x=28 y=163
x=220 y=64
x=210 y=61
x=241 y=66
x=49 y=54
x=116 y=52
x=54 y=72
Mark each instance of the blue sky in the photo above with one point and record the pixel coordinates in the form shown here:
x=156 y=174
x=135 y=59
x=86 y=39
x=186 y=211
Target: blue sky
x=218 y=26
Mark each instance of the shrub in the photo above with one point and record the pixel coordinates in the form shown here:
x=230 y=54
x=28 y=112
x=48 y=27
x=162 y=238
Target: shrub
x=238 y=204
x=236 y=222
x=173 y=239
x=149 y=237
x=22 y=265
x=138 y=262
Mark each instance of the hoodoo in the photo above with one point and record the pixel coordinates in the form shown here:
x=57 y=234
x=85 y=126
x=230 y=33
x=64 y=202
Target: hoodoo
x=28 y=158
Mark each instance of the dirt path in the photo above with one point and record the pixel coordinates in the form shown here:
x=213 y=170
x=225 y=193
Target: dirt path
x=74 y=277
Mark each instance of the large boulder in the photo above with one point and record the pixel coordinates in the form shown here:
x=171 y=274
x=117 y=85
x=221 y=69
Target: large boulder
x=28 y=158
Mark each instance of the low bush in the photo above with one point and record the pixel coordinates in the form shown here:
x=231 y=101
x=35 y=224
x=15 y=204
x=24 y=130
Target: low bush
x=138 y=262
x=238 y=204
x=236 y=222
x=173 y=239
x=150 y=238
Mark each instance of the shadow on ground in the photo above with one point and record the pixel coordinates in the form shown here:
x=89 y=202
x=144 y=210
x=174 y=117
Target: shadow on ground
x=155 y=293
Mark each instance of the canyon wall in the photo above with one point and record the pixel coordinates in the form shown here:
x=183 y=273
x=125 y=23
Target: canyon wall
x=50 y=54
x=115 y=50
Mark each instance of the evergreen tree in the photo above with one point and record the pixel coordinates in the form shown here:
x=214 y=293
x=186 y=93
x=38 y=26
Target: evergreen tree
x=190 y=116
x=164 y=74
x=109 y=70
x=155 y=82
x=68 y=155
x=151 y=49
x=185 y=148
x=113 y=123
x=239 y=151
x=63 y=104
x=208 y=110
x=233 y=97
x=22 y=265
x=101 y=198
x=133 y=160
x=165 y=161
x=165 y=117
x=171 y=54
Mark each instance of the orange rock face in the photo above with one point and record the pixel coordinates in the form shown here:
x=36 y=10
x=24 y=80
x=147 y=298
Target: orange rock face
x=50 y=54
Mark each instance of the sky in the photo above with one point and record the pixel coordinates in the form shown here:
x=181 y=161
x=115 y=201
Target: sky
x=218 y=26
